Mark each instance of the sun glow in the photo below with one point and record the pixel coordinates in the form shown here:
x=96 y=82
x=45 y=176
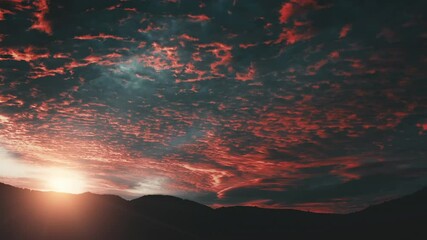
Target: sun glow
x=66 y=182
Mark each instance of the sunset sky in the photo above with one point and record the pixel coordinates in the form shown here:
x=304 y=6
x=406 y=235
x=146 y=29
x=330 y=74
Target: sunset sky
x=317 y=105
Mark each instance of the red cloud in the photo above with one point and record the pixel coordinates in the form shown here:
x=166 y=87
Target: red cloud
x=345 y=30
x=99 y=36
x=286 y=12
x=188 y=38
x=198 y=18
x=3 y=12
x=27 y=54
x=249 y=75
x=41 y=23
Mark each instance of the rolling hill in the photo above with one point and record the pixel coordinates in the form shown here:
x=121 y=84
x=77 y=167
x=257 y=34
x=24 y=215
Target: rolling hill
x=27 y=214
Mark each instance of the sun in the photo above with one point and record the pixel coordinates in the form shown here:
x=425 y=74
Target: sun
x=65 y=182
x=66 y=185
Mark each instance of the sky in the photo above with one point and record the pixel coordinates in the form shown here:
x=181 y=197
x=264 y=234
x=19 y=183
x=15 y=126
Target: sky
x=316 y=105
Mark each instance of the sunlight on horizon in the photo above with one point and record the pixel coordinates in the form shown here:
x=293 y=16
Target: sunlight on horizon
x=55 y=179
x=65 y=182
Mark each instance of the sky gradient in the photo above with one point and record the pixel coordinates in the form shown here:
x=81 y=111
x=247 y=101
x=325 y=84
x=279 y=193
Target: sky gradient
x=308 y=104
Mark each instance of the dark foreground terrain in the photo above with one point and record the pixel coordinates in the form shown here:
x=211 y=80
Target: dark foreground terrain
x=26 y=214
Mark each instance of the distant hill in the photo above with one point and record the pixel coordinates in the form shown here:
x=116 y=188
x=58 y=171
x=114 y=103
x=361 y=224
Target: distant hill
x=26 y=214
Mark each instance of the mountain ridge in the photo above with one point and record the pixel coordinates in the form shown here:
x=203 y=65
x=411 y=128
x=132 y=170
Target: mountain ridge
x=29 y=214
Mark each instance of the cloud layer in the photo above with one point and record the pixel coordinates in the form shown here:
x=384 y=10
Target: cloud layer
x=315 y=105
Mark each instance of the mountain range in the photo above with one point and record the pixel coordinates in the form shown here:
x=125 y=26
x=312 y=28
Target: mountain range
x=27 y=214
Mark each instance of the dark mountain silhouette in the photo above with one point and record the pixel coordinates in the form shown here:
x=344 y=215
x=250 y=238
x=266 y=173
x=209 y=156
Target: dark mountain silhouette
x=27 y=214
